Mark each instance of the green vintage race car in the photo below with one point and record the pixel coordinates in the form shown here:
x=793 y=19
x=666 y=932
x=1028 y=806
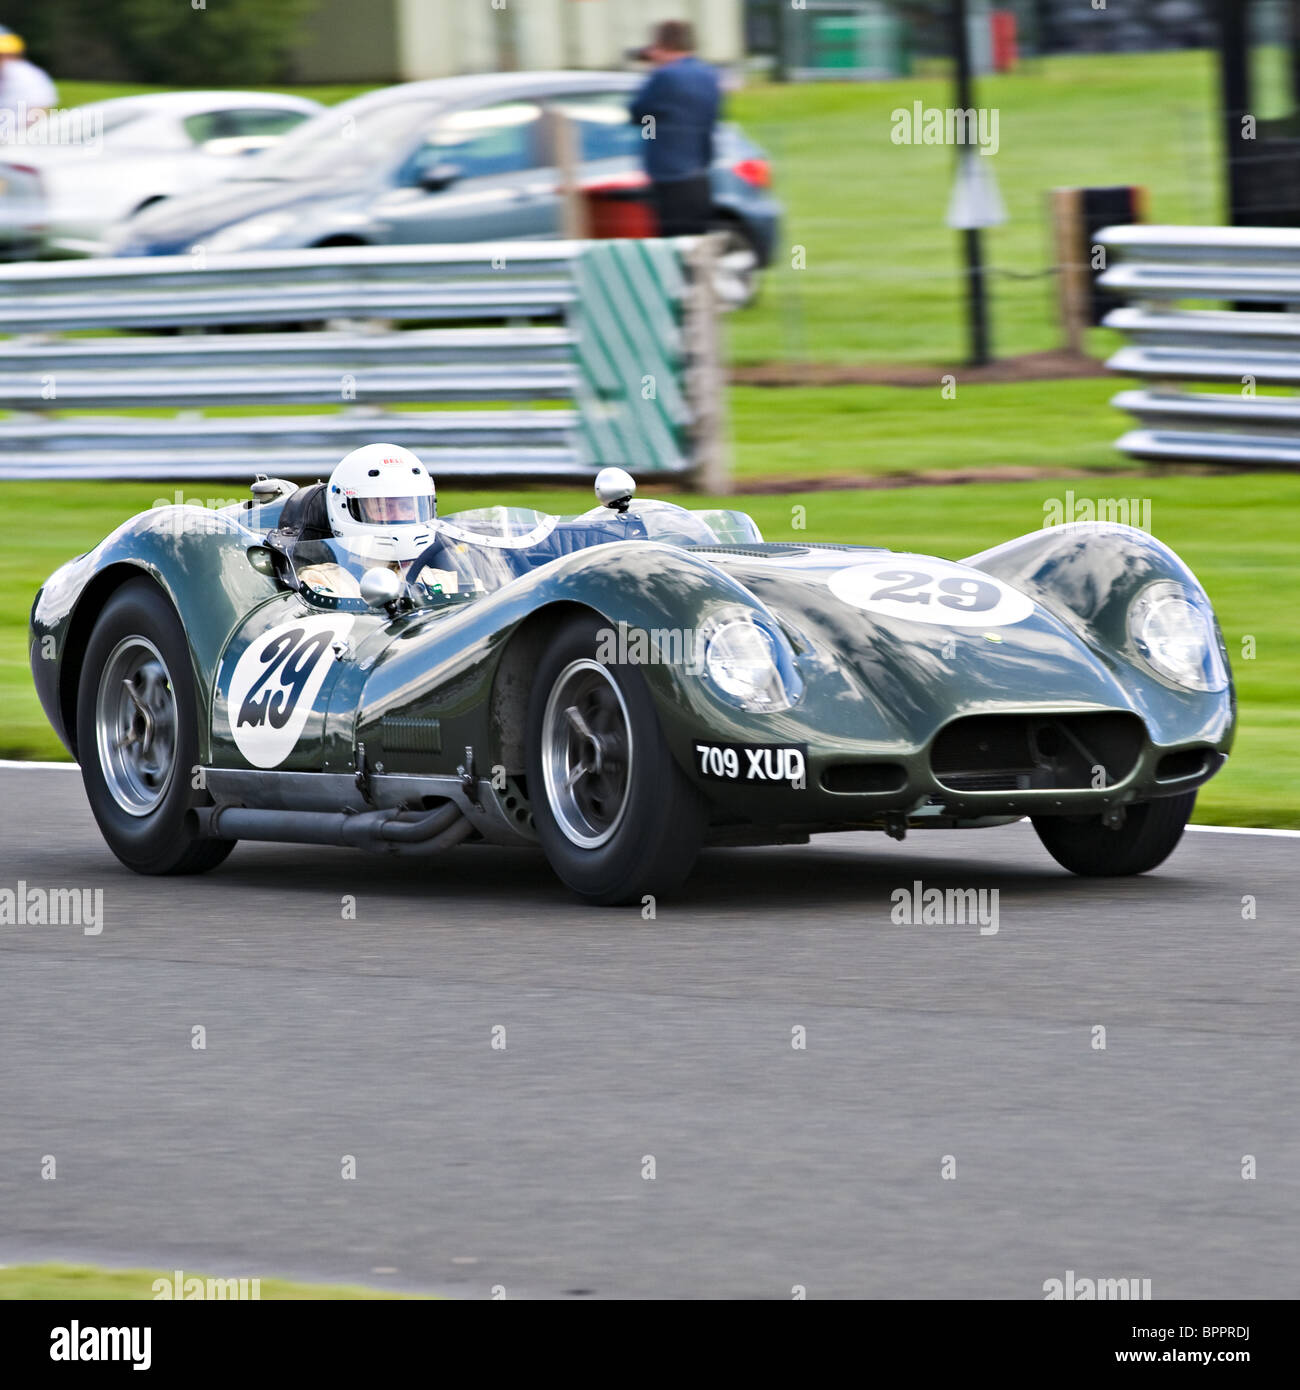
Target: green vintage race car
x=623 y=687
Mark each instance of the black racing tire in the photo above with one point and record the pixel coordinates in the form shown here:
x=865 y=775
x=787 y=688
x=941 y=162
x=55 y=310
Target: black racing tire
x=640 y=817
x=1147 y=838
x=141 y=788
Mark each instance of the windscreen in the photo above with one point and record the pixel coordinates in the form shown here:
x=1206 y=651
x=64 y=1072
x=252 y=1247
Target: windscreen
x=345 y=141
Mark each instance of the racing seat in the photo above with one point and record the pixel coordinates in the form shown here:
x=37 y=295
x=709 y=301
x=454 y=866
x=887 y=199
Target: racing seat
x=303 y=517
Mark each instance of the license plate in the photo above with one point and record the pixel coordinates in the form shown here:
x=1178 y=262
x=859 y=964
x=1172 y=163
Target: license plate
x=752 y=762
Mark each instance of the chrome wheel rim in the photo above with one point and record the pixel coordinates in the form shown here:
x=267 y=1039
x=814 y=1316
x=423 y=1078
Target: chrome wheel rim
x=135 y=725
x=734 y=272
x=587 y=754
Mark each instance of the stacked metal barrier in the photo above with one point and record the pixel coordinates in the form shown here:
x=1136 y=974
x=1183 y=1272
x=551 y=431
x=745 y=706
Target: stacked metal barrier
x=440 y=348
x=1208 y=305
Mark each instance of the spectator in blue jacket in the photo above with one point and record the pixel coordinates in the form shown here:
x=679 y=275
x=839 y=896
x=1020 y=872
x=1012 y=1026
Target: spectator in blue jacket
x=677 y=108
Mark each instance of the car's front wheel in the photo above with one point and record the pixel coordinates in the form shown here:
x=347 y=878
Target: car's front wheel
x=137 y=735
x=617 y=818
x=1086 y=845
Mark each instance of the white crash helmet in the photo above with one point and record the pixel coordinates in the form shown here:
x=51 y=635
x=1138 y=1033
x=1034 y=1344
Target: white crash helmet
x=382 y=503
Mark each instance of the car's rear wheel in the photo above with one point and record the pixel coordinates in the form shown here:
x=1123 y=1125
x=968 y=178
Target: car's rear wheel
x=137 y=735
x=736 y=268
x=616 y=816
x=1086 y=845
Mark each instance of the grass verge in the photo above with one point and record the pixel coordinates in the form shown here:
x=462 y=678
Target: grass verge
x=64 y=1281
x=876 y=431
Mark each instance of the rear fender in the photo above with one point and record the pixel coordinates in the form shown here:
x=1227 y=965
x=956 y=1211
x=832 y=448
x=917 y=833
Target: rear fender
x=196 y=556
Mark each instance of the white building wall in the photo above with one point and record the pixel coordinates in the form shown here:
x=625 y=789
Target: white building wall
x=539 y=32
x=426 y=39
x=438 y=38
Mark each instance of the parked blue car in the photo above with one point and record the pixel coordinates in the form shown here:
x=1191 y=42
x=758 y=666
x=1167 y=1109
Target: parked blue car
x=456 y=159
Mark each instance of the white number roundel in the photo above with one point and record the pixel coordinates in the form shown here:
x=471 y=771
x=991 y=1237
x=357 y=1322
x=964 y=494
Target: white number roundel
x=275 y=684
x=923 y=590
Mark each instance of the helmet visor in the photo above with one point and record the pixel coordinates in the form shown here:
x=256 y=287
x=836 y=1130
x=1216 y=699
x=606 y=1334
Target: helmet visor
x=387 y=511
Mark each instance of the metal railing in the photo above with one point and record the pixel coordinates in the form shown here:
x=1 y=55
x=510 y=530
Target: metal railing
x=1163 y=270
x=409 y=344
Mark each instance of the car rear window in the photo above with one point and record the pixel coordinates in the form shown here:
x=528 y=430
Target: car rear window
x=241 y=123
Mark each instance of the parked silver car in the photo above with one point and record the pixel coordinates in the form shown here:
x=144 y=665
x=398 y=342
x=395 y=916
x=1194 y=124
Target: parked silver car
x=455 y=159
x=111 y=158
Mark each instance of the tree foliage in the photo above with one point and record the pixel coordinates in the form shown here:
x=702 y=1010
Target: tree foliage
x=184 y=43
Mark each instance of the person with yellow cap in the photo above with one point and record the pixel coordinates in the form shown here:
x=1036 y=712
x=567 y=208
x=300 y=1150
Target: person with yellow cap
x=25 y=89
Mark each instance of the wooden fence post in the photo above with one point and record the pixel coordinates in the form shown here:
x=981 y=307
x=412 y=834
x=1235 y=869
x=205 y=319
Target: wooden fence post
x=706 y=372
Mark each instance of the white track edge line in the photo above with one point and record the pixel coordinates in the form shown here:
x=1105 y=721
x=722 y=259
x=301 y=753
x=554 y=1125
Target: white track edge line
x=1245 y=830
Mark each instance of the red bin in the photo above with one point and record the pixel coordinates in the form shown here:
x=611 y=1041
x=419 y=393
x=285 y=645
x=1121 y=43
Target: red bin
x=619 y=207
x=1002 y=32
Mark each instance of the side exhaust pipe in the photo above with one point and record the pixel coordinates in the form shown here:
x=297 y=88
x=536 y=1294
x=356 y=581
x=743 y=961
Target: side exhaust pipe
x=393 y=831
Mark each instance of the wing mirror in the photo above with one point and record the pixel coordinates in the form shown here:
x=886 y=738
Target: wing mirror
x=615 y=488
x=439 y=176
x=267 y=490
x=381 y=587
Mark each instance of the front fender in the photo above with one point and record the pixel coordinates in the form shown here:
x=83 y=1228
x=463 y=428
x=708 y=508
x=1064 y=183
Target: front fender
x=1088 y=575
x=443 y=667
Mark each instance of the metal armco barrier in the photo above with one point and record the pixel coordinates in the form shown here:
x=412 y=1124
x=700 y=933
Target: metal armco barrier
x=619 y=335
x=1160 y=270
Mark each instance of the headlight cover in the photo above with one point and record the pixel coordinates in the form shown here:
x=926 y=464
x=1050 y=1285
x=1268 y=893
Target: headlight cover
x=749 y=664
x=1174 y=632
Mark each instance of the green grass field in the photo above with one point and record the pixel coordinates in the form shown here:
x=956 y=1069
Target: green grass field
x=882 y=267
x=1237 y=533
x=74 y=1282
x=794 y=433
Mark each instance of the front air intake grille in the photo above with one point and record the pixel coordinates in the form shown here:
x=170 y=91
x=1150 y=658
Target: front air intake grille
x=864 y=777
x=987 y=781
x=1034 y=752
x=1173 y=767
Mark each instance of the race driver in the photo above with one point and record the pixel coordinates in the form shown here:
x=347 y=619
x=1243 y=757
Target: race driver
x=382 y=505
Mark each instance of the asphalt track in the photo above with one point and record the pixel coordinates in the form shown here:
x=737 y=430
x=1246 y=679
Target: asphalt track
x=774 y=1167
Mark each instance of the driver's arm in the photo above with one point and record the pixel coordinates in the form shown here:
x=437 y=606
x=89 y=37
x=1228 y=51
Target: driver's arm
x=330 y=579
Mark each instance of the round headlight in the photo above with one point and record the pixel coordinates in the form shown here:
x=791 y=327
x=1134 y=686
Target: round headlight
x=742 y=661
x=1174 y=633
